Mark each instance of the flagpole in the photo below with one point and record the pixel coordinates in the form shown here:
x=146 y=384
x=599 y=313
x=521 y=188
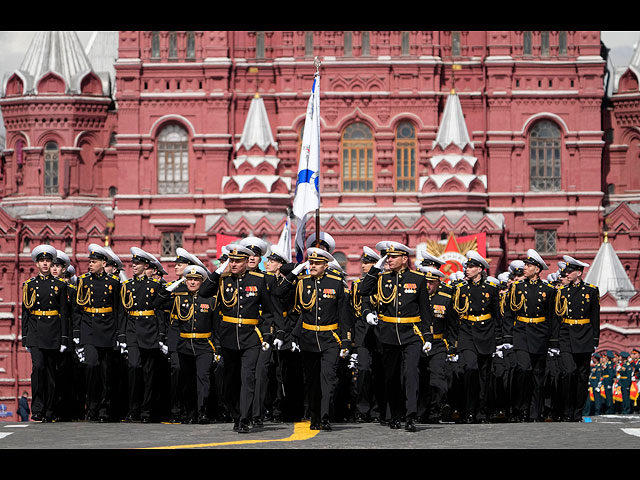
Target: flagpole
x=316 y=62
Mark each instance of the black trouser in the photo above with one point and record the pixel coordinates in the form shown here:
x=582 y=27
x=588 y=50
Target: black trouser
x=575 y=383
x=175 y=398
x=141 y=375
x=43 y=380
x=528 y=379
x=263 y=396
x=433 y=386
x=239 y=379
x=64 y=385
x=476 y=380
x=320 y=381
x=370 y=397
x=289 y=403
x=195 y=371
x=99 y=362
x=401 y=369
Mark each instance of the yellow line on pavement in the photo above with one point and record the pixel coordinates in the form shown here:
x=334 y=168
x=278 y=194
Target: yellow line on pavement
x=301 y=431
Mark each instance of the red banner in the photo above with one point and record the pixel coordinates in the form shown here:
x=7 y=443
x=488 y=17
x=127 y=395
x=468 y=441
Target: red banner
x=222 y=240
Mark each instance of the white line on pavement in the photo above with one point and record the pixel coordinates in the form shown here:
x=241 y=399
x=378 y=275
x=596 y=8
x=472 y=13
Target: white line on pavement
x=2 y=435
x=632 y=431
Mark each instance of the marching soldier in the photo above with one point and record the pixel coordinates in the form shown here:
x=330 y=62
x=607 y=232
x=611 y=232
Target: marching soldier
x=528 y=323
x=404 y=330
x=96 y=329
x=608 y=377
x=321 y=333
x=370 y=402
x=594 y=382
x=443 y=337
x=624 y=378
x=577 y=305
x=246 y=308
x=477 y=305
x=263 y=397
x=143 y=337
x=195 y=317
x=45 y=311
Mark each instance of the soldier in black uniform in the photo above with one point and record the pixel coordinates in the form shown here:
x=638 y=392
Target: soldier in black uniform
x=404 y=330
x=443 y=338
x=528 y=322
x=96 y=329
x=371 y=404
x=321 y=333
x=477 y=304
x=196 y=320
x=578 y=332
x=45 y=311
x=247 y=310
x=143 y=337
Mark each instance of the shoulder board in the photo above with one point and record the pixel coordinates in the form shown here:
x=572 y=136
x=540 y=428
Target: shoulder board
x=169 y=283
x=560 y=287
x=72 y=285
x=115 y=277
x=303 y=276
x=386 y=272
x=257 y=274
x=591 y=285
x=155 y=280
x=334 y=277
x=515 y=282
x=448 y=295
x=27 y=281
x=84 y=275
x=269 y=273
x=417 y=271
x=126 y=281
x=226 y=274
x=491 y=283
x=357 y=280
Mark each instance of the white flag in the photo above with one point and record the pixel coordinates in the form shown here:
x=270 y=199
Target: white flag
x=307 y=197
x=284 y=243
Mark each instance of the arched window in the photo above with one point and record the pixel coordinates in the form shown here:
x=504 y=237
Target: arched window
x=173 y=45
x=366 y=44
x=51 y=160
x=155 y=45
x=526 y=43
x=308 y=44
x=173 y=160
x=562 y=43
x=544 y=44
x=348 y=44
x=191 y=46
x=544 y=156
x=406 y=157
x=357 y=158
x=456 y=50
x=404 y=43
x=259 y=44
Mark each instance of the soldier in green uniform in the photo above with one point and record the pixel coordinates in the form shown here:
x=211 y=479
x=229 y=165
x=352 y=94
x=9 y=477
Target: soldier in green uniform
x=578 y=333
x=143 y=337
x=96 y=329
x=594 y=381
x=527 y=327
x=608 y=378
x=624 y=376
x=45 y=312
x=404 y=324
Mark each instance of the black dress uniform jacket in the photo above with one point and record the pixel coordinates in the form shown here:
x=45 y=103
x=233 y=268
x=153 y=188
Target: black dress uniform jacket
x=45 y=312
x=578 y=309
x=362 y=306
x=529 y=316
x=478 y=306
x=101 y=312
x=144 y=327
x=401 y=296
x=246 y=310
x=443 y=333
x=324 y=315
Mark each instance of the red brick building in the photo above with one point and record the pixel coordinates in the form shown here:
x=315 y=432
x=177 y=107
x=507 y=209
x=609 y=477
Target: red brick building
x=162 y=139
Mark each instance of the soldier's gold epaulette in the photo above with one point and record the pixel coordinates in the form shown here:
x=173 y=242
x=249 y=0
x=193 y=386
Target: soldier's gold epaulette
x=156 y=280
x=417 y=271
x=334 y=277
x=303 y=275
x=357 y=280
x=515 y=282
x=257 y=274
x=269 y=273
x=127 y=281
x=84 y=275
x=115 y=277
x=591 y=285
x=226 y=274
x=72 y=285
x=28 y=280
x=387 y=272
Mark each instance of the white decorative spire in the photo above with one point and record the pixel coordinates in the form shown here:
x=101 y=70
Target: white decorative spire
x=257 y=130
x=608 y=274
x=453 y=128
x=57 y=52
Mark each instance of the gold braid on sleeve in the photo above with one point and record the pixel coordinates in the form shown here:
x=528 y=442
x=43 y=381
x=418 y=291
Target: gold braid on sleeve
x=456 y=303
x=79 y=299
x=26 y=301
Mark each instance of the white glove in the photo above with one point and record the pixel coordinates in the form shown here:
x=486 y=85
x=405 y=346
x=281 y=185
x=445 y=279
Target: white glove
x=163 y=348
x=220 y=270
x=381 y=262
x=554 y=352
x=372 y=318
x=80 y=354
x=452 y=358
x=123 y=348
x=353 y=361
x=174 y=285
x=506 y=346
x=344 y=353
x=62 y=348
x=295 y=347
x=28 y=349
x=76 y=340
x=301 y=266
x=498 y=353
x=265 y=346
x=277 y=344
x=426 y=347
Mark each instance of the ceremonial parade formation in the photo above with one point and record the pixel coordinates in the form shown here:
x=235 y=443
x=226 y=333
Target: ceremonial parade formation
x=401 y=345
